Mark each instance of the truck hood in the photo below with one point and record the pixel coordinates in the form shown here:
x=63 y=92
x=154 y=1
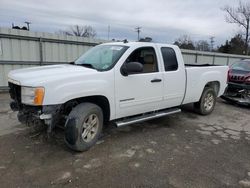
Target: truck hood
x=38 y=76
x=239 y=72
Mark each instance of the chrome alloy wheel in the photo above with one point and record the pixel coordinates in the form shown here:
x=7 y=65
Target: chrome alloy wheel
x=209 y=102
x=90 y=127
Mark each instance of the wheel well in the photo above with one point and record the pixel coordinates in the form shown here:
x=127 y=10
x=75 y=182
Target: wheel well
x=214 y=85
x=99 y=100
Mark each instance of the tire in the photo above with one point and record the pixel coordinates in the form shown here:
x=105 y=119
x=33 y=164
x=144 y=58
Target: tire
x=83 y=126
x=207 y=102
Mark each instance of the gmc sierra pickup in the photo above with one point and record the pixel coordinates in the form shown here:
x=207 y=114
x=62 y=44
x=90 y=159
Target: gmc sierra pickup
x=125 y=82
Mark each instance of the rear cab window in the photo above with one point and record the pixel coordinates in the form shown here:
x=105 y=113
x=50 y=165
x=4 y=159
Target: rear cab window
x=169 y=59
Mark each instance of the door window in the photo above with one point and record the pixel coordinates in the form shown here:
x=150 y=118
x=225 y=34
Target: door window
x=147 y=57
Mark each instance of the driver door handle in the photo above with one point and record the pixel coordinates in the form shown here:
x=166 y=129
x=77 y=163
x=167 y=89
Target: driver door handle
x=156 y=80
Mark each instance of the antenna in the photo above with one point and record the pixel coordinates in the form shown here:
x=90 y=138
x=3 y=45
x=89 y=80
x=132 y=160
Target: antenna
x=138 y=30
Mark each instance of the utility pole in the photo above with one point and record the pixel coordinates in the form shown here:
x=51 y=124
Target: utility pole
x=211 y=43
x=28 y=25
x=138 y=30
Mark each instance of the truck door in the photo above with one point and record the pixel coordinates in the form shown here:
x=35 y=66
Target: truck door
x=174 y=77
x=141 y=92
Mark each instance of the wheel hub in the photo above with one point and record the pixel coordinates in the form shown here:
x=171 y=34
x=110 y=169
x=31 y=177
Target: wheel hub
x=90 y=127
x=209 y=102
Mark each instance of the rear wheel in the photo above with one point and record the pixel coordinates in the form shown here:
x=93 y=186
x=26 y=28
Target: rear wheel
x=83 y=126
x=207 y=102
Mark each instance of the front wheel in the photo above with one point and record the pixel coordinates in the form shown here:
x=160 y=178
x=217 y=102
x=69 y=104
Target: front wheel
x=83 y=126
x=207 y=102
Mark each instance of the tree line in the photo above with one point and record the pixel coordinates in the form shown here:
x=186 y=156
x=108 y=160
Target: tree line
x=238 y=44
x=235 y=45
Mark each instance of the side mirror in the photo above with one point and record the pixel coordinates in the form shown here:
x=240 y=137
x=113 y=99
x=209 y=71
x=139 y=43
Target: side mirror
x=131 y=68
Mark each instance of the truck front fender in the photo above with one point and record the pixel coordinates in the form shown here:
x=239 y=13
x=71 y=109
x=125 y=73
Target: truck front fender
x=67 y=91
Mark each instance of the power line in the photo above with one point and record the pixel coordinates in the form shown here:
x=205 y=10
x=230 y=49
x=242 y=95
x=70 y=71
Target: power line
x=138 y=30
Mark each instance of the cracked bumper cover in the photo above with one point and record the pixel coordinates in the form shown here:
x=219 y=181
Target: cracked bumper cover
x=28 y=113
x=239 y=93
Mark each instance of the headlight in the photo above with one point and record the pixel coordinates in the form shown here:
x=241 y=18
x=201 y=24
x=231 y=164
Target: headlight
x=32 y=96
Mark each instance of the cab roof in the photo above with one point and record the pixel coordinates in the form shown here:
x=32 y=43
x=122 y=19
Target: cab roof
x=139 y=44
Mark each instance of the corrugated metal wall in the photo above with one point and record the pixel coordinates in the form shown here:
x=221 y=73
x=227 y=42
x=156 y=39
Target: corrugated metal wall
x=198 y=57
x=20 y=49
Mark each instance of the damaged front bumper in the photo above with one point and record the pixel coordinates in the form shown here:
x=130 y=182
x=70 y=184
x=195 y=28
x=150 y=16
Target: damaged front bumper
x=35 y=115
x=238 y=93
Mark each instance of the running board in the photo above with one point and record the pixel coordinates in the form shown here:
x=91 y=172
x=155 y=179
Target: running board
x=146 y=117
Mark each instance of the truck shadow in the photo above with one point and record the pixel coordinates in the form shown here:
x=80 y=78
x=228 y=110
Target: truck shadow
x=237 y=105
x=110 y=132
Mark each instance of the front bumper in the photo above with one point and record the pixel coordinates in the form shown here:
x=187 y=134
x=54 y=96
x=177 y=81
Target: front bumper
x=27 y=113
x=30 y=114
x=33 y=115
x=238 y=93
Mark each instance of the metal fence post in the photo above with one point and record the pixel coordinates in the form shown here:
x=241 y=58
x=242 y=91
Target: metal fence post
x=227 y=60
x=41 y=50
x=196 y=57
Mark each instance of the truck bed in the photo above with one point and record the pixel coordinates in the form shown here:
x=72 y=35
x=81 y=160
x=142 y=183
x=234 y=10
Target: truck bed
x=197 y=76
x=200 y=65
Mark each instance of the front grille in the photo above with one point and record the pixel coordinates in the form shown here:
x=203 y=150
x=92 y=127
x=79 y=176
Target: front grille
x=15 y=92
x=237 y=79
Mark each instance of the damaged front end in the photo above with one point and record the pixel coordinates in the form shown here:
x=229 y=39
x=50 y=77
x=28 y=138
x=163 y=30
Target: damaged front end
x=33 y=115
x=238 y=93
x=238 y=90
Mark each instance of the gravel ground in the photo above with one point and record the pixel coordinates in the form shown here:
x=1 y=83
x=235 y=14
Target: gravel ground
x=182 y=150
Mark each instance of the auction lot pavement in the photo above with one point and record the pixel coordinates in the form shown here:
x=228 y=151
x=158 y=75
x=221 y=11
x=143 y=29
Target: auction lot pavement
x=182 y=150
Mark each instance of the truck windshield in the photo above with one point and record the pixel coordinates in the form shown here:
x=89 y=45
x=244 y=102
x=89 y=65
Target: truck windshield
x=102 y=57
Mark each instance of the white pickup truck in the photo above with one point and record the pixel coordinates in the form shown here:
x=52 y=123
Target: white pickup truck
x=122 y=82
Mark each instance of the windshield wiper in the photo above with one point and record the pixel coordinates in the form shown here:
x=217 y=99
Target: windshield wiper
x=87 y=65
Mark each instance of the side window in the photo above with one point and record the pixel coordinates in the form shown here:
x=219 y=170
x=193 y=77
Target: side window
x=147 y=57
x=169 y=58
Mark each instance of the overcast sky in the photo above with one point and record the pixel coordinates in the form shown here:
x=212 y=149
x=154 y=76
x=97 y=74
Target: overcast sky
x=163 y=20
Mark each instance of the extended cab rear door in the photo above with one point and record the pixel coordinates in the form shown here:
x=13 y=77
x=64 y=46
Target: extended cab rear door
x=174 y=76
x=141 y=92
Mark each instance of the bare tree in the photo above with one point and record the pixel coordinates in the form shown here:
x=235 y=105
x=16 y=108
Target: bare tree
x=81 y=31
x=240 y=15
x=202 y=45
x=185 y=42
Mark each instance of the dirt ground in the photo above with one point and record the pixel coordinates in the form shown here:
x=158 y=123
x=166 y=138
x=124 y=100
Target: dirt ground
x=182 y=150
